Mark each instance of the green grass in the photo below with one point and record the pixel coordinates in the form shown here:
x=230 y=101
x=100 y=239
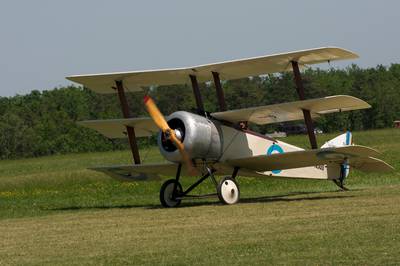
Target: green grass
x=54 y=211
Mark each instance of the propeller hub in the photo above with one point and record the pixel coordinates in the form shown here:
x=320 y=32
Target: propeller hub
x=178 y=134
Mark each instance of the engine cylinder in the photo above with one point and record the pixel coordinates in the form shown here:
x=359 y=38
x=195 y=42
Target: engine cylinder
x=200 y=136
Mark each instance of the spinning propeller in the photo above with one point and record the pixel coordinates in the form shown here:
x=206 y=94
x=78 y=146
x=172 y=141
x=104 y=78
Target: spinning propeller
x=169 y=133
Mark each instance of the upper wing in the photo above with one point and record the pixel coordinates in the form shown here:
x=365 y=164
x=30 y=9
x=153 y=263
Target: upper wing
x=292 y=110
x=116 y=128
x=358 y=156
x=133 y=81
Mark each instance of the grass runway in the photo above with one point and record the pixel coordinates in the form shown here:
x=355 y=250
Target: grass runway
x=54 y=211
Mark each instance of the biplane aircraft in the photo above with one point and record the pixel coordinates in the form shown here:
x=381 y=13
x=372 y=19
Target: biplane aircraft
x=220 y=143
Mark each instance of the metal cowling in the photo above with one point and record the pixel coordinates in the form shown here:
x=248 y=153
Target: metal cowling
x=199 y=135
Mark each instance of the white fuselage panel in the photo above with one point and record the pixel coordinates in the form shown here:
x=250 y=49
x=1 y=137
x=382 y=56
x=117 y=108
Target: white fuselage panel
x=241 y=144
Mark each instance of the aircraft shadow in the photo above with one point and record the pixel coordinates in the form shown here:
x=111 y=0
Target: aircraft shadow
x=289 y=197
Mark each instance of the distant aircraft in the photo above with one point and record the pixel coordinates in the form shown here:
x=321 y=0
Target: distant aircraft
x=209 y=144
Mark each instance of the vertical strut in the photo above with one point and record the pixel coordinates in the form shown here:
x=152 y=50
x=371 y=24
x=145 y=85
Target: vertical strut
x=306 y=113
x=197 y=95
x=177 y=176
x=126 y=114
x=220 y=92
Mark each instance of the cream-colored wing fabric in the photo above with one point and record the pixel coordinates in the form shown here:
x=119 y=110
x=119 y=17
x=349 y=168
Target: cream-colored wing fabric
x=149 y=172
x=134 y=80
x=139 y=172
x=306 y=158
x=293 y=110
x=370 y=164
x=116 y=128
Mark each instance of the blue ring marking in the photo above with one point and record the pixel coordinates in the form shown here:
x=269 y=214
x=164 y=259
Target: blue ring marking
x=348 y=134
x=345 y=166
x=272 y=148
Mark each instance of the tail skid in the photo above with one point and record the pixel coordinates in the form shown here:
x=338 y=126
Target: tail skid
x=340 y=184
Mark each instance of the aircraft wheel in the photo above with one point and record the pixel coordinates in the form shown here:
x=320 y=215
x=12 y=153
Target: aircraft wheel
x=228 y=191
x=166 y=191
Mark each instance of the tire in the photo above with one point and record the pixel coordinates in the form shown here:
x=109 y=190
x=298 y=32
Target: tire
x=228 y=191
x=166 y=191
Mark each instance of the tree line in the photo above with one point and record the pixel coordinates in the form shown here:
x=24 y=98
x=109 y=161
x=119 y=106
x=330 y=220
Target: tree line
x=44 y=123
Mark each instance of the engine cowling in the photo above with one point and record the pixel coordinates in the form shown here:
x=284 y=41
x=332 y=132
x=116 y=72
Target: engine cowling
x=200 y=136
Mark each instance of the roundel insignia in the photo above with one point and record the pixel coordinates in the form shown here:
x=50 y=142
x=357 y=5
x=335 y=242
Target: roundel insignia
x=275 y=148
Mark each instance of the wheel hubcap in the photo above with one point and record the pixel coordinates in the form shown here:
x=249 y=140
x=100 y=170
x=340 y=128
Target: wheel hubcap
x=168 y=195
x=229 y=192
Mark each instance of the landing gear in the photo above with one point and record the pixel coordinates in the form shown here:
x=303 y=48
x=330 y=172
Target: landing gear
x=169 y=192
x=228 y=191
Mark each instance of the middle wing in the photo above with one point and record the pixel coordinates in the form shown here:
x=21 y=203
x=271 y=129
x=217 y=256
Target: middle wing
x=116 y=128
x=359 y=157
x=293 y=110
x=144 y=126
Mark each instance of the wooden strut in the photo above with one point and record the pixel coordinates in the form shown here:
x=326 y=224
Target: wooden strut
x=197 y=95
x=220 y=92
x=126 y=114
x=306 y=113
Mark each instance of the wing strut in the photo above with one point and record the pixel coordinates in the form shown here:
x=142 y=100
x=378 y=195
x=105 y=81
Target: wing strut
x=126 y=114
x=197 y=94
x=218 y=88
x=306 y=113
x=220 y=92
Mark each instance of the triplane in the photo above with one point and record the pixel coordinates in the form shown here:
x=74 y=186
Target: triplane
x=209 y=144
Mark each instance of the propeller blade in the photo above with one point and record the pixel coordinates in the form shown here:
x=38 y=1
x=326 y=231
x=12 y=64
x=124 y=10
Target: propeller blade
x=155 y=114
x=185 y=156
x=160 y=121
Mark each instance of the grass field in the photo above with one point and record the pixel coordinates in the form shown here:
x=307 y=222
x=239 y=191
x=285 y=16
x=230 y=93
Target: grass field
x=54 y=211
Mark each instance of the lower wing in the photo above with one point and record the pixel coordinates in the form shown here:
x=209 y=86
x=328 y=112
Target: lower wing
x=359 y=157
x=149 y=172
x=139 y=172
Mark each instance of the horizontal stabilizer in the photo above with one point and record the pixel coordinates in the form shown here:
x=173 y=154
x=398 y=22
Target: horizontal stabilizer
x=116 y=128
x=304 y=158
x=293 y=110
x=135 y=80
x=370 y=164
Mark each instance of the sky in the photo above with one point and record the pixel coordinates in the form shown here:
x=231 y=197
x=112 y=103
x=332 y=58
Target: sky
x=42 y=42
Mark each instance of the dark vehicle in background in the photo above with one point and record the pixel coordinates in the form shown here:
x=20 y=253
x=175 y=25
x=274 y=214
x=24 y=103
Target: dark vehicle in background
x=293 y=129
x=296 y=129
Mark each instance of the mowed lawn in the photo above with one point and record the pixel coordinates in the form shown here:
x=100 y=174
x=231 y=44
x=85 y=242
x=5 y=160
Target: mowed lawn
x=54 y=211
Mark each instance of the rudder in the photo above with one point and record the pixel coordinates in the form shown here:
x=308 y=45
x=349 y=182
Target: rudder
x=342 y=140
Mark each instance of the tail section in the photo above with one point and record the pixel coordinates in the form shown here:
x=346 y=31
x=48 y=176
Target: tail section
x=340 y=141
x=345 y=139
